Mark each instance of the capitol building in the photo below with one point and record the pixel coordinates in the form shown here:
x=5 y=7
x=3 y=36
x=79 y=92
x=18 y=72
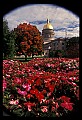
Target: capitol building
x=50 y=43
x=48 y=32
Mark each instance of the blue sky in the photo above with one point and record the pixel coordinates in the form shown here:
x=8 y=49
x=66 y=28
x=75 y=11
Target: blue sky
x=36 y=14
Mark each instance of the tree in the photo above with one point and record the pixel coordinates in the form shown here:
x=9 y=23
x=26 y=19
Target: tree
x=29 y=40
x=5 y=38
x=8 y=41
x=12 y=49
x=72 y=47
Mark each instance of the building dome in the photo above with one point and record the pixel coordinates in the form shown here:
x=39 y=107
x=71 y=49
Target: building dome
x=48 y=25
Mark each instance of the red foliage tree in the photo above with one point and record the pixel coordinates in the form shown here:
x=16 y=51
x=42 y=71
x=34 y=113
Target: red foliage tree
x=29 y=40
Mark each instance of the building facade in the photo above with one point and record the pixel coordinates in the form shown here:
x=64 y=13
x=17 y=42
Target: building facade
x=48 y=37
x=48 y=32
x=52 y=45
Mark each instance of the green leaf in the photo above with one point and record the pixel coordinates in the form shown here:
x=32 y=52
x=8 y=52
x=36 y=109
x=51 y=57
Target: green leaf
x=23 y=99
x=18 y=111
x=27 y=114
x=53 y=115
x=13 y=107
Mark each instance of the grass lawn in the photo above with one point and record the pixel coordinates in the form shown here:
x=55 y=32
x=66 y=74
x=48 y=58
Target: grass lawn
x=22 y=59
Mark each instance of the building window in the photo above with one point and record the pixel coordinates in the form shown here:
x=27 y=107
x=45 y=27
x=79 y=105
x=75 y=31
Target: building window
x=54 y=44
x=49 y=36
x=62 y=47
x=62 y=43
x=46 y=35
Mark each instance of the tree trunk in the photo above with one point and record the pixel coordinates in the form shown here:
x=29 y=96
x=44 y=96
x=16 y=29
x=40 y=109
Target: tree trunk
x=32 y=55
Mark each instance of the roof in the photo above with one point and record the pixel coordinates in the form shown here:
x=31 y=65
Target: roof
x=48 y=25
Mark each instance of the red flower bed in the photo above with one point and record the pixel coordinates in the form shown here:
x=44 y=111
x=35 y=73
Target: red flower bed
x=45 y=87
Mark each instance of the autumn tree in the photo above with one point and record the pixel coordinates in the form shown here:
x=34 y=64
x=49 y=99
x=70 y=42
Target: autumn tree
x=29 y=40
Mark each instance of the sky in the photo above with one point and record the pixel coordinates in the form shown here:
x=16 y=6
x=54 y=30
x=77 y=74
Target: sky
x=64 y=22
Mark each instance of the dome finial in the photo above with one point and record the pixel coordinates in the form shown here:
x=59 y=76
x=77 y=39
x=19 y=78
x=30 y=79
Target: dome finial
x=48 y=25
x=47 y=20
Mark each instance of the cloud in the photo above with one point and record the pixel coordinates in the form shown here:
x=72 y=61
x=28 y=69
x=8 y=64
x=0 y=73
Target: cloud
x=38 y=22
x=37 y=14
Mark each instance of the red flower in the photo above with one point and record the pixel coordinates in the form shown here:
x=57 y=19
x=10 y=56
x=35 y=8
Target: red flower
x=29 y=96
x=29 y=103
x=65 y=99
x=40 y=96
x=34 y=91
x=30 y=81
x=38 y=82
x=21 y=92
x=26 y=79
x=57 y=105
x=53 y=109
x=44 y=91
x=77 y=93
x=44 y=108
x=67 y=105
x=48 y=65
x=17 y=80
x=26 y=86
x=46 y=101
x=51 y=88
x=14 y=102
x=4 y=85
